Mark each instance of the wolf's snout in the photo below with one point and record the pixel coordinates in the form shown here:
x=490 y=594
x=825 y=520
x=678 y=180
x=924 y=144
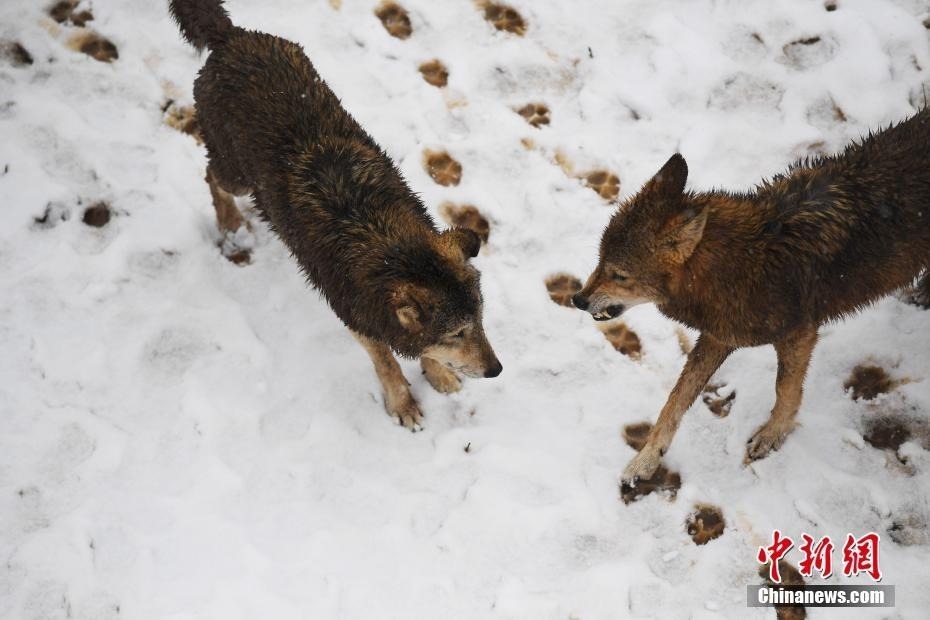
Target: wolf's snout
x=580 y=301
x=494 y=369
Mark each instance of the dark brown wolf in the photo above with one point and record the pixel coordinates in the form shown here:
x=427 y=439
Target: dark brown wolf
x=823 y=240
x=273 y=129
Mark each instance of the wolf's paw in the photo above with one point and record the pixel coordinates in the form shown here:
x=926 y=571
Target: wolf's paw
x=237 y=246
x=442 y=168
x=395 y=19
x=767 y=438
x=505 y=18
x=606 y=184
x=663 y=481
x=441 y=378
x=466 y=216
x=535 y=114
x=407 y=412
x=642 y=467
x=435 y=73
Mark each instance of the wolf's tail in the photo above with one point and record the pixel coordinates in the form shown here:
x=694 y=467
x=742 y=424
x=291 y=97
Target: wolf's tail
x=204 y=23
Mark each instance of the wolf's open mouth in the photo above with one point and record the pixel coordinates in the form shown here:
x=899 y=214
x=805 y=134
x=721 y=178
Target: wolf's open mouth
x=610 y=312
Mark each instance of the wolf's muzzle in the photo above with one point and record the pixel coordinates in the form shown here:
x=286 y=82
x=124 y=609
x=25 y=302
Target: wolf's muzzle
x=610 y=312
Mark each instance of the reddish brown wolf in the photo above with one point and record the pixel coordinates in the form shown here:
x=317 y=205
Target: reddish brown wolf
x=823 y=240
x=273 y=129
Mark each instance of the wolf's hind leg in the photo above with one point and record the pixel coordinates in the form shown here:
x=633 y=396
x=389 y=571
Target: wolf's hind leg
x=442 y=379
x=703 y=361
x=794 y=356
x=228 y=217
x=398 y=400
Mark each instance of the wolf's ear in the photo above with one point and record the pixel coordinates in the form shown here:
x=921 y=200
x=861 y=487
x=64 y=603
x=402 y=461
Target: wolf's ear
x=683 y=231
x=462 y=240
x=669 y=181
x=411 y=306
x=409 y=318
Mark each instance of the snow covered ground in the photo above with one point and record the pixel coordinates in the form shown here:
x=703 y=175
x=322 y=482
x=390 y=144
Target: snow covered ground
x=182 y=437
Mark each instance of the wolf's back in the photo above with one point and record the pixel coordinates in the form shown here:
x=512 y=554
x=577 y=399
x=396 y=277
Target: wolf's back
x=204 y=23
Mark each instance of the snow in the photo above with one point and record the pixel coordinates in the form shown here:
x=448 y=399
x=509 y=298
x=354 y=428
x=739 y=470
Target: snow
x=186 y=438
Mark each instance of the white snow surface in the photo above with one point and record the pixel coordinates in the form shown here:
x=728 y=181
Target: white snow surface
x=183 y=438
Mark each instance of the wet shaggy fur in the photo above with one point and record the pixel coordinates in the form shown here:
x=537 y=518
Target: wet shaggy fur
x=825 y=239
x=272 y=128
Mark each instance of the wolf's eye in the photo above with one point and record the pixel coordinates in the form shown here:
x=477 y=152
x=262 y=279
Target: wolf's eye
x=459 y=334
x=619 y=277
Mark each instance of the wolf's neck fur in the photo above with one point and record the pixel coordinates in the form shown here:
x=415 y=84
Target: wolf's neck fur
x=720 y=280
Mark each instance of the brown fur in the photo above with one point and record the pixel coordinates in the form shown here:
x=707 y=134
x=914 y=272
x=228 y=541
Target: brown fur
x=273 y=128
x=823 y=240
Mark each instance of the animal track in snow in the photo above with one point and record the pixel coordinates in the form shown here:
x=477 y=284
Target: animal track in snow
x=809 y=52
x=635 y=434
x=535 y=114
x=97 y=215
x=182 y=118
x=504 y=18
x=561 y=287
x=623 y=339
x=868 y=381
x=605 y=183
x=84 y=40
x=94 y=45
x=718 y=402
x=19 y=56
x=442 y=168
x=54 y=214
x=746 y=90
x=65 y=11
x=789 y=577
x=705 y=524
x=886 y=433
x=466 y=216
x=395 y=19
x=435 y=73
x=909 y=529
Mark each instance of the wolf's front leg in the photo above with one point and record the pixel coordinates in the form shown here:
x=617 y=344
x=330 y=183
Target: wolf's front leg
x=442 y=379
x=794 y=356
x=398 y=400
x=703 y=361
